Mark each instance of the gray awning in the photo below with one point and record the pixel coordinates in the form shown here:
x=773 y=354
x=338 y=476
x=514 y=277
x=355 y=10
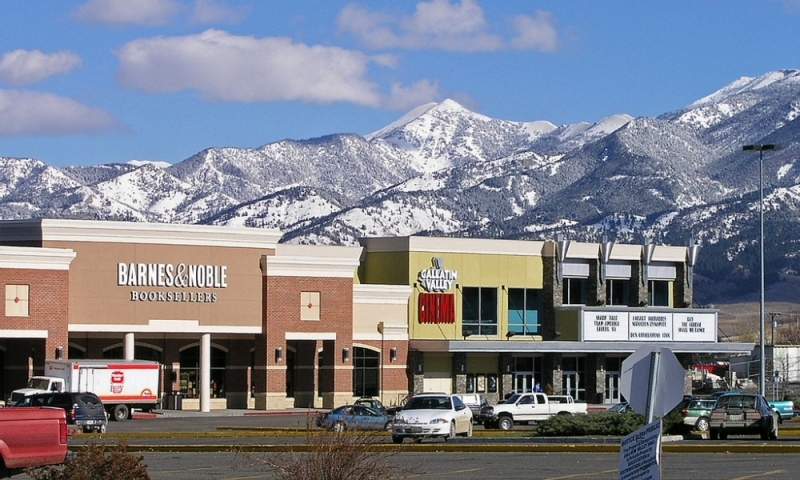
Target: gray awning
x=500 y=346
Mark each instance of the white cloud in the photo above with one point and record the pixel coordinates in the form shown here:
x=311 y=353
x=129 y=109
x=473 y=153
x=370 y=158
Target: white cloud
x=211 y=11
x=31 y=113
x=404 y=98
x=537 y=32
x=22 y=67
x=440 y=24
x=128 y=12
x=227 y=67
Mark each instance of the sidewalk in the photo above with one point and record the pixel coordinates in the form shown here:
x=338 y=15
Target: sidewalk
x=238 y=412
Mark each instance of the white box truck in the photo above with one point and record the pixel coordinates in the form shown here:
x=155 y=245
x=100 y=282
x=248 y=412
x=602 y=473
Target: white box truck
x=122 y=385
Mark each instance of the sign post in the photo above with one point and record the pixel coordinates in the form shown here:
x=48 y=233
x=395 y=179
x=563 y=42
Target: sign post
x=652 y=382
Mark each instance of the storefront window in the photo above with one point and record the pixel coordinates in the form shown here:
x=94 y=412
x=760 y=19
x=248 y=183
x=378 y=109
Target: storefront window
x=524 y=306
x=574 y=292
x=366 y=366
x=190 y=372
x=658 y=293
x=479 y=311
x=617 y=292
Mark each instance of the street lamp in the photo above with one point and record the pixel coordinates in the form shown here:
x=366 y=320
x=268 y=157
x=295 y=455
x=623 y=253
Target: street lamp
x=762 y=361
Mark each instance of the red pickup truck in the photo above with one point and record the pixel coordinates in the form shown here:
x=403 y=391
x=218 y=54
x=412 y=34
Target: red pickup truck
x=30 y=437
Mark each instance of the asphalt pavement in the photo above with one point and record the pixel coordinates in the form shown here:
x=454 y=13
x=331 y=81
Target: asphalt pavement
x=219 y=430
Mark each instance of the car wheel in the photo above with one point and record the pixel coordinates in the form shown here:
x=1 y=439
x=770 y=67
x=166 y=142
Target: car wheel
x=103 y=429
x=397 y=439
x=87 y=429
x=773 y=433
x=452 y=433
x=121 y=413
x=505 y=423
x=338 y=427
x=469 y=431
x=701 y=425
x=388 y=425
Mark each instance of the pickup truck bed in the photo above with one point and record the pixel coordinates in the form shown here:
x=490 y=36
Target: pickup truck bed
x=30 y=437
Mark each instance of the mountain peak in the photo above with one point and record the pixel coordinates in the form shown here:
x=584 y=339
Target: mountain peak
x=745 y=84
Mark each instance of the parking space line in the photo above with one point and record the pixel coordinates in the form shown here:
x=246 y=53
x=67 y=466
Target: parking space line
x=581 y=475
x=759 y=475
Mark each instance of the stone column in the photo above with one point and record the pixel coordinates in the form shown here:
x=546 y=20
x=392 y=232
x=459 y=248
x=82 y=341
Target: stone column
x=416 y=363
x=460 y=372
x=507 y=372
x=553 y=293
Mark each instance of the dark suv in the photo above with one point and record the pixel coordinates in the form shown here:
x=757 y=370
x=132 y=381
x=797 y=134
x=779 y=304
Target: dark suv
x=85 y=410
x=741 y=413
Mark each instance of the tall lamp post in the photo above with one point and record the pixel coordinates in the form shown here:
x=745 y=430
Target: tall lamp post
x=762 y=361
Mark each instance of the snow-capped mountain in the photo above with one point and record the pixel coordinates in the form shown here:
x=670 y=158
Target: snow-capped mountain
x=442 y=169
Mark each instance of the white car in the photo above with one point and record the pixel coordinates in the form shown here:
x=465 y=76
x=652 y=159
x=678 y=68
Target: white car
x=430 y=415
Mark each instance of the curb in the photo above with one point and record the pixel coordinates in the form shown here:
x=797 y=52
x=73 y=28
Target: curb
x=460 y=447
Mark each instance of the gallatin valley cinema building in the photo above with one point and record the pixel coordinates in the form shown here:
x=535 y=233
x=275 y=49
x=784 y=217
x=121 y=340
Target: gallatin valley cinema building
x=238 y=320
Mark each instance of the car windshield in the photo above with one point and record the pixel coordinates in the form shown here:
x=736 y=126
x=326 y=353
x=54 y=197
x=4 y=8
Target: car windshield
x=429 y=403
x=618 y=407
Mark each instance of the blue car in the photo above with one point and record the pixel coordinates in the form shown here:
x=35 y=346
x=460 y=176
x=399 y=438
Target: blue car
x=354 y=417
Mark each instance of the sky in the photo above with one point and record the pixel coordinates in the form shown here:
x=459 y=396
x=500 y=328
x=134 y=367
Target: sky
x=87 y=82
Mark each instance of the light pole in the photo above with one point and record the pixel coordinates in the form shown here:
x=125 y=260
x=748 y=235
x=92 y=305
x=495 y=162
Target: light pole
x=762 y=361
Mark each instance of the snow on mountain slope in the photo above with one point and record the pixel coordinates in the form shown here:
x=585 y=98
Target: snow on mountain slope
x=446 y=134
x=148 y=189
x=746 y=84
x=281 y=210
x=22 y=178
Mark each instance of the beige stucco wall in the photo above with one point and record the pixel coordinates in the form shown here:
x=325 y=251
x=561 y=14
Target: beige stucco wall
x=97 y=299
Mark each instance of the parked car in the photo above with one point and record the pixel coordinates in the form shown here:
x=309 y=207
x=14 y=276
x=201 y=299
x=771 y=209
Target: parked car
x=785 y=408
x=720 y=393
x=354 y=417
x=474 y=401
x=743 y=414
x=84 y=409
x=697 y=412
x=622 y=407
x=372 y=403
x=432 y=415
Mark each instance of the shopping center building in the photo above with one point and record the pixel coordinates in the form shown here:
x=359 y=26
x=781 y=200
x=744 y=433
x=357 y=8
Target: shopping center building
x=238 y=320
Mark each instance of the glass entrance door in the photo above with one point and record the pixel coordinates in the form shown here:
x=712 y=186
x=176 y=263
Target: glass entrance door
x=570 y=385
x=612 y=388
x=523 y=382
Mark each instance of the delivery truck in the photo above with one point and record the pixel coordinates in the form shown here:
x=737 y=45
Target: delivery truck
x=122 y=385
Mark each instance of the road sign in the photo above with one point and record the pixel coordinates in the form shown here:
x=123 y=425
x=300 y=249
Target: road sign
x=640 y=454
x=652 y=376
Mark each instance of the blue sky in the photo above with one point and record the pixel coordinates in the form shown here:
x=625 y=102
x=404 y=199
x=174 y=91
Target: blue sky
x=100 y=81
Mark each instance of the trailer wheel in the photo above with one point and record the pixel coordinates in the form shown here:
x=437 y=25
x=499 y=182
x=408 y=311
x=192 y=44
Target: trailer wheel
x=120 y=413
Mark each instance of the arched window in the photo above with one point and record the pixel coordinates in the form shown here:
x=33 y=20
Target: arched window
x=366 y=366
x=140 y=352
x=190 y=372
